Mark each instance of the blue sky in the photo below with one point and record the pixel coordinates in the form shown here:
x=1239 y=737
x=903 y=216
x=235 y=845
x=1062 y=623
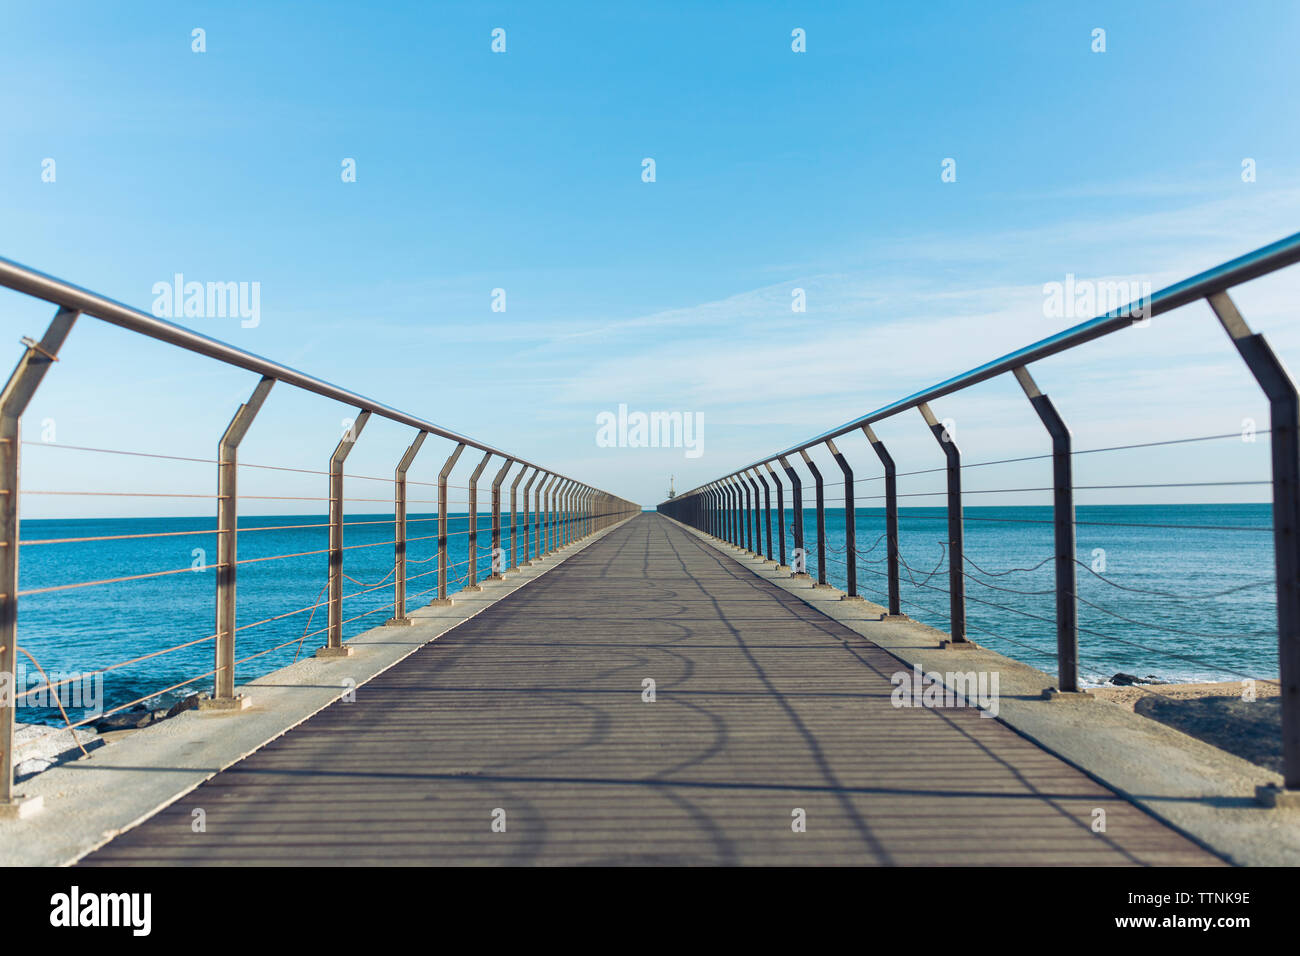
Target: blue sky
x=775 y=170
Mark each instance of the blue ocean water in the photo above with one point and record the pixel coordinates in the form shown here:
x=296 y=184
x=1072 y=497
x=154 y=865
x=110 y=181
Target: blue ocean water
x=81 y=630
x=1190 y=554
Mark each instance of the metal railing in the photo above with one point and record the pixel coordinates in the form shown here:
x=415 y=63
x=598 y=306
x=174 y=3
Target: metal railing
x=725 y=509
x=565 y=509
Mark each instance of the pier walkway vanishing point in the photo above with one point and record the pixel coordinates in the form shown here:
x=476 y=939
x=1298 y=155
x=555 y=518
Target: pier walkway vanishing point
x=524 y=735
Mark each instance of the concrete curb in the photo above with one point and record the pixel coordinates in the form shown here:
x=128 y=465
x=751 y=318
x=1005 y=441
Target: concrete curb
x=1200 y=790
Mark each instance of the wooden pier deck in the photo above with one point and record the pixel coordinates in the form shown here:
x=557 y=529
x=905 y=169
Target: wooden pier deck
x=534 y=707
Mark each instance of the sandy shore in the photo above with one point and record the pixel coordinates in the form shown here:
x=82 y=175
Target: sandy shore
x=1215 y=713
x=1127 y=697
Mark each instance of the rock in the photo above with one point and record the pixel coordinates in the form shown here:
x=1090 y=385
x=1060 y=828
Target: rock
x=1127 y=680
x=189 y=703
x=133 y=719
x=37 y=747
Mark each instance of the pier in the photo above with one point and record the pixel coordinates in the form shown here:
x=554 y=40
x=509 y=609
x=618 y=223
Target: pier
x=535 y=710
x=598 y=683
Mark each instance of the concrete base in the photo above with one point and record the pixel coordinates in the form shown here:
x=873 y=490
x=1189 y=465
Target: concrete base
x=1052 y=693
x=958 y=646
x=472 y=587
x=1277 y=797
x=238 y=702
x=782 y=568
x=440 y=602
x=853 y=597
x=328 y=652
x=21 y=807
x=398 y=622
x=801 y=576
x=824 y=587
x=497 y=577
x=894 y=617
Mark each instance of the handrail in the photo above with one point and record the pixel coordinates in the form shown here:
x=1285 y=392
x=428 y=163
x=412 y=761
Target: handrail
x=1252 y=265
x=565 y=522
x=716 y=508
x=29 y=281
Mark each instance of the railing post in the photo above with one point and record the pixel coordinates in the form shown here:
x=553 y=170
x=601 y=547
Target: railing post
x=739 y=491
x=721 y=500
x=543 y=495
x=548 y=526
x=571 y=513
x=537 y=473
x=891 y=519
x=724 y=510
x=223 y=685
x=17 y=394
x=442 y=599
x=821 y=520
x=497 y=575
x=850 y=525
x=799 y=565
x=720 y=510
x=757 y=539
x=737 y=531
x=471 y=583
x=767 y=509
x=399 y=532
x=514 y=516
x=737 y=536
x=566 y=512
x=956 y=550
x=780 y=514
x=746 y=515
x=1067 y=607
x=537 y=518
x=554 y=539
x=1284 y=437
x=334 y=646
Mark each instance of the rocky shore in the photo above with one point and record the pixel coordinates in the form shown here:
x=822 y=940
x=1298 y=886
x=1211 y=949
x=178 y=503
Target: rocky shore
x=39 y=747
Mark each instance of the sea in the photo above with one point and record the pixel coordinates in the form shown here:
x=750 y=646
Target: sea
x=1168 y=592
